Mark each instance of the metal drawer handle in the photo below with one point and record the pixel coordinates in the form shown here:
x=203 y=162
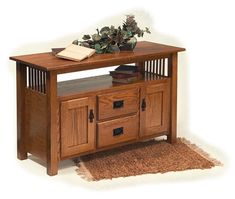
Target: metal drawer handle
x=118 y=131
x=118 y=104
x=91 y=116
x=143 y=105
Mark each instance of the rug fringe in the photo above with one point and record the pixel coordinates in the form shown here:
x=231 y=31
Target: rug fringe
x=201 y=152
x=84 y=172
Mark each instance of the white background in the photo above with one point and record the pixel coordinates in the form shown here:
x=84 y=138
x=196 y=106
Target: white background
x=206 y=90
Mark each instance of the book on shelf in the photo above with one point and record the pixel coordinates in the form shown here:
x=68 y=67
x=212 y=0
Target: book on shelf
x=126 y=69
x=125 y=74
x=75 y=53
x=118 y=75
x=125 y=80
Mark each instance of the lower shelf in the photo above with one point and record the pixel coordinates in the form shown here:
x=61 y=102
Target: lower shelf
x=102 y=82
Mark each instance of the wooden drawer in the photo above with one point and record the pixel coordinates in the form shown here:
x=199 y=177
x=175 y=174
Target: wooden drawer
x=118 y=103
x=118 y=130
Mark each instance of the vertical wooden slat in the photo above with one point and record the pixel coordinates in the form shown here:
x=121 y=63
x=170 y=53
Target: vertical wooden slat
x=30 y=77
x=153 y=66
x=149 y=66
x=44 y=82
x=36 y=79
x=33 y=78
x=41 y=81
x=32 y=85
x=39 y=86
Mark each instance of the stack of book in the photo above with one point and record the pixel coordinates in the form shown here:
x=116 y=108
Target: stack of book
x=125 y=74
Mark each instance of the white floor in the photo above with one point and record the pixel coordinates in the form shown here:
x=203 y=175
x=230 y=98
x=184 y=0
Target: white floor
x=29 y=180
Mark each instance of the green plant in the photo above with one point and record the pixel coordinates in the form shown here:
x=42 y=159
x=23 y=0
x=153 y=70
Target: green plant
x=109 y=39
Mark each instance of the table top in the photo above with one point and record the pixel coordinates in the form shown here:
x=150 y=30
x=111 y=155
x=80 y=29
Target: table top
x=143 y=51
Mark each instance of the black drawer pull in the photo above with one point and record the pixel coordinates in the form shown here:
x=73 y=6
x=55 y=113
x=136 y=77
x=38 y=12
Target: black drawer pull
x=118 y=131
x=143 y=105
x=91 y=116
x=118 y=104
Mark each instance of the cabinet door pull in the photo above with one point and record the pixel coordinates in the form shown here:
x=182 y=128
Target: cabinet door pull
x=118 y=131
x=143 y=105
x=118 y=104
x=91 y=116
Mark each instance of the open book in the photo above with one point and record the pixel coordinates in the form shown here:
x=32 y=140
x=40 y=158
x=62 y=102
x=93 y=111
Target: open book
x=75 y=53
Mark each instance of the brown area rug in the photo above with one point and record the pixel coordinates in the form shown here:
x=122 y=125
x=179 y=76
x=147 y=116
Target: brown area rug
x=143 y=158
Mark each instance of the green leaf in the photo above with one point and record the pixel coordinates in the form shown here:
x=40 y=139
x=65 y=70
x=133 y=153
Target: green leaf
x=75 y=42
x=105 y=29
x=97 y=47
x=96 y=37
x=86 y=37
x=104 y=46
x=104 y=35
x=147 y=30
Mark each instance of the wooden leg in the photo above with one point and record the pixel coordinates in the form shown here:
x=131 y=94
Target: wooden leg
x=173 y=113
x=52 y=129
x=140 y=66
x=21 y=134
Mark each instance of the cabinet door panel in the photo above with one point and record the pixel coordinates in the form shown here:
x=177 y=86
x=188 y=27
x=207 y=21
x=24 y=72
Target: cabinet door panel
x=154 y=109
x=155 y=116
x=77 y=132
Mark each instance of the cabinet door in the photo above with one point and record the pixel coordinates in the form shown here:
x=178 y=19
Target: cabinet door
x=154 y=110
x=77 y=126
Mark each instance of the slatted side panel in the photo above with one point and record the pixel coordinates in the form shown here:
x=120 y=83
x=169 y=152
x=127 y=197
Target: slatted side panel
x=158 y=67
x=36 y=79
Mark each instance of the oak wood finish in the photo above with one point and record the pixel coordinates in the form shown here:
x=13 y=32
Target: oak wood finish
x=77 y=132
x=130 y=129
x=54 y=121
x=155 y=117
x=128 y=98
x=52 y=124
x=21 y=134
x=78 y=87
x=143 y=51
x=173 y=99
x=36 y=123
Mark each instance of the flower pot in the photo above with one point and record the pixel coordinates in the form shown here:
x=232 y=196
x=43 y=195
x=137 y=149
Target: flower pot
x=129 y=45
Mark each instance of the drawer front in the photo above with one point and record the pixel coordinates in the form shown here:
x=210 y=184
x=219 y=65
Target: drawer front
x=118 y=130
x=118 y=103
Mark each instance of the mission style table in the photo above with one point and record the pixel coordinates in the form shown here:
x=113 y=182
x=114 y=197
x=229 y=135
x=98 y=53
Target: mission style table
x=61 y=120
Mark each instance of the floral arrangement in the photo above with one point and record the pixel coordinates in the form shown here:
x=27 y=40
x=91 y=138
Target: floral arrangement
x=110 y=39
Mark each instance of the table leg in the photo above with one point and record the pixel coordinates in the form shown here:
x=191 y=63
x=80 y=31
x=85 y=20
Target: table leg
x=21 y=133
x=53 y=123
x=173 y=113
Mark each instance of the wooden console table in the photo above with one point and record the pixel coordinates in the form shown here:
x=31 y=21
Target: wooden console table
x=60 y=120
